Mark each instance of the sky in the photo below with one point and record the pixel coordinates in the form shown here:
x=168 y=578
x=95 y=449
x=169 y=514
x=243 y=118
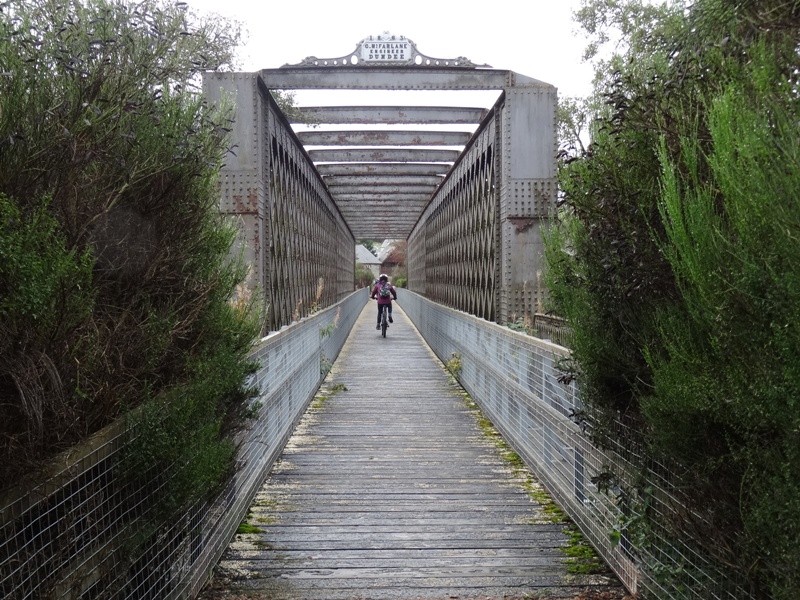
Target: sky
x=536 y=38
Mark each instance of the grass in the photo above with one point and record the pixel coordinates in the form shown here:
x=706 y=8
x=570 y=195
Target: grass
x=245 y=528
x=326 y=393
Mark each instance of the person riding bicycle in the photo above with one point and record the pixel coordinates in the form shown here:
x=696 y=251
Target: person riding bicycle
x=384 y=292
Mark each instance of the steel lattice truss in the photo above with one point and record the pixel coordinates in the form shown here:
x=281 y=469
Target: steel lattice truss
x=310 y=252
x=470 y=196
x=294 y=238
x=454 y=251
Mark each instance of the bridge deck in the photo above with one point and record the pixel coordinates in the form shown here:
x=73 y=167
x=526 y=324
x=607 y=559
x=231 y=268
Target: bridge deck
x=391 y=489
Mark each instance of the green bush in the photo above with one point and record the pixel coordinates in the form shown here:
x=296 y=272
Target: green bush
x=363 y=276
x=115 y=278
x=46 y=294
x=728 y=378
x=677 y=264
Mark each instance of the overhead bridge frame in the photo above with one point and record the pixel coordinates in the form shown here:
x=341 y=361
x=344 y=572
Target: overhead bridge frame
x=471 y=203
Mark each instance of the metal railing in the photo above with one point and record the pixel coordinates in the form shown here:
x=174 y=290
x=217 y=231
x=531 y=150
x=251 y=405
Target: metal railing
x=515 y=380
x=71 y=536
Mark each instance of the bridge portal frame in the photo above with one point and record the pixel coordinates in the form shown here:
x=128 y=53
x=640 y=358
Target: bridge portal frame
x=475 y=238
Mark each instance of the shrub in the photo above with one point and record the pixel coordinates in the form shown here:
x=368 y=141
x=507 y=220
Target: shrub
x=363 y=276
x=676 y=262
x=115 y=275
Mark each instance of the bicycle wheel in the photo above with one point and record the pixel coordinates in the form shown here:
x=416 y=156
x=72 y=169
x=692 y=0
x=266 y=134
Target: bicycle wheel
x=384 y=324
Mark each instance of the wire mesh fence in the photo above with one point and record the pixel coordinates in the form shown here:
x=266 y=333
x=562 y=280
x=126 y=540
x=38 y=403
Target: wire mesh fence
x=81 y=533
x=516 y=381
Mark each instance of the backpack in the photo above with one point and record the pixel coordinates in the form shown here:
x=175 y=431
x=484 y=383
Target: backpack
x=384 y=291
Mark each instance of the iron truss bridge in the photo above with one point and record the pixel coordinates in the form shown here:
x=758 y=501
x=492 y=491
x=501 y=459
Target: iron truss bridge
x=469 y=187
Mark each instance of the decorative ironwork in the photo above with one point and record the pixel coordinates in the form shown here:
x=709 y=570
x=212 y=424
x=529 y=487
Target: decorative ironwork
x=386 y=49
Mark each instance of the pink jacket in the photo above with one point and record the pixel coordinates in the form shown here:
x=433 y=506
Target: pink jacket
x=376 y=294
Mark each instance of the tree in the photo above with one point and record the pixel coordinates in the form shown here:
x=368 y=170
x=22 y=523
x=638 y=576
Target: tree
x=369 y=245
x=623 y=37
x=573 y=118
x=397 y=255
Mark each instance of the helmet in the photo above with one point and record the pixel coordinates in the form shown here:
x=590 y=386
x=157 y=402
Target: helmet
x=384 y=277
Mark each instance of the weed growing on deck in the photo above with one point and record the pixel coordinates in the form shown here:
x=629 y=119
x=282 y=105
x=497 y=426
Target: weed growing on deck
x=245 y=527
x=581 y=557
x=453 y=367
x=325 y=394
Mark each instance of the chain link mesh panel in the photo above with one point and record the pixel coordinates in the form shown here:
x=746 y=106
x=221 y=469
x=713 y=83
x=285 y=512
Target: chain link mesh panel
x=515 y=380
x=73 y=536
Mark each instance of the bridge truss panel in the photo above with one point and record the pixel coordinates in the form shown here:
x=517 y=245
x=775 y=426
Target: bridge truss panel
x=452 y=259
x=291 y=232
x=489 y=260
x=310 y=245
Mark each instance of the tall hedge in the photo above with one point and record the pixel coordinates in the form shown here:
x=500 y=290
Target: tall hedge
x=114 y=272
x=677 y=262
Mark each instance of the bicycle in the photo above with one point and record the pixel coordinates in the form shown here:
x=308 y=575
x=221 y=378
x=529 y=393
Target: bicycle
x=384 y=320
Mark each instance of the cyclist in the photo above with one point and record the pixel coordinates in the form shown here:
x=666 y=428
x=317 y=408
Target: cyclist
x=384 y=292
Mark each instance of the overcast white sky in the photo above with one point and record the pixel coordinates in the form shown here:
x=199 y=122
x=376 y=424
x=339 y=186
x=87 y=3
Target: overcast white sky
x=532 y=37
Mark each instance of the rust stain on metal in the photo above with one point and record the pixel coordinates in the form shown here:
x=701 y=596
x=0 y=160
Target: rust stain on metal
x=252 y=200
x=521 y=223
x=246 y=204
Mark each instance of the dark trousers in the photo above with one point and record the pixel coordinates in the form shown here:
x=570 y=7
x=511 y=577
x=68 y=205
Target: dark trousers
x=380 y=311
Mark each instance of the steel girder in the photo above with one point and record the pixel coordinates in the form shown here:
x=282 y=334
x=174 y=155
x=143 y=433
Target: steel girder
x=384 y=138
x=391 y=115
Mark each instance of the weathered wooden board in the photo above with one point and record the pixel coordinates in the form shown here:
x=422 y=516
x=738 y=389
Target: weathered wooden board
x=390 y=489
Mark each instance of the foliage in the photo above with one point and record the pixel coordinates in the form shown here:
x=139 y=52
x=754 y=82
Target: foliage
x=573 y=118
x=286 y=102
x=398 y=255
x=370 y=245
x=246 y=528
x=627 y=35
x=676 y=262
x=363 y=276
x=454 y=366
x=523 y=324
x=398 y=252
x=45 y=294
x=115 y=277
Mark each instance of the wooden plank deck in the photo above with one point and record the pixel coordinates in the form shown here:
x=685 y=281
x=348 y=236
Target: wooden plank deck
x=390 y=489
